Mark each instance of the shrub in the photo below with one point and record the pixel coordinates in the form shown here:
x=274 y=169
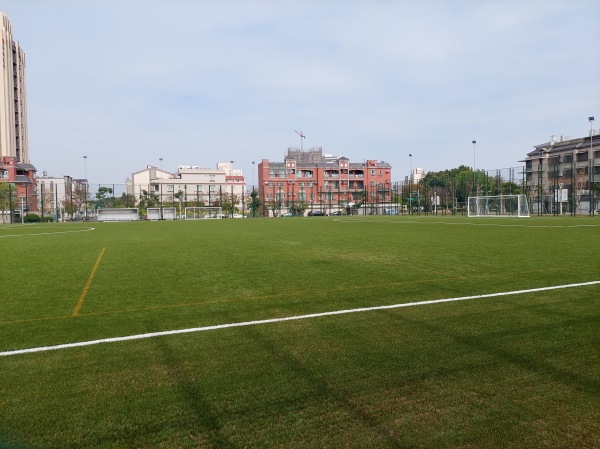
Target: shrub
x=32 y=218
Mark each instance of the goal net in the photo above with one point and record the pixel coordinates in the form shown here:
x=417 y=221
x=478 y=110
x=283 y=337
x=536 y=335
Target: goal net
x=498 y=206
x=197 y=213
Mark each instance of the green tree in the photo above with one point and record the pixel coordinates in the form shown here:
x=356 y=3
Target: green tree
x=125 y=200
x=254 y=204
x=145 y=201
x=229 y=204
x=102 y=197
x=8 y=199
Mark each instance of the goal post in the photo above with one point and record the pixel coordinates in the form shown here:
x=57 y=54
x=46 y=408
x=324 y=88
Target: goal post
x=498 y=206
x=197 y=213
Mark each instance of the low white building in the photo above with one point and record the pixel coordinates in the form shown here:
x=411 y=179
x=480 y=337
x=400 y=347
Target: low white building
x=190 y=185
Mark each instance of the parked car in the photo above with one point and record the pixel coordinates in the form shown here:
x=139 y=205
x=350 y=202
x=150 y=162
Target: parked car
x=390 y=212
x=316 y=213
x=337 y=212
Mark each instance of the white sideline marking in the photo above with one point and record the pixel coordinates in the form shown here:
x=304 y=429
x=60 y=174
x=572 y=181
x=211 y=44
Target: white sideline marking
x=278 y=320
x=457 y=223
x=49 y=233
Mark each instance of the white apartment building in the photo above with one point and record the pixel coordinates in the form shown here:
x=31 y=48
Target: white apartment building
x=13 y=104
x=191 y=184
x=64 y=198
x=416 y=174
x=14 y=151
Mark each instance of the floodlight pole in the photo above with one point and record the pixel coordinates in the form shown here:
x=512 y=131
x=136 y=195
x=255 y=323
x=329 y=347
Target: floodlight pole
x=591 y=172
x=231 y=174
x=410 y=184
x=85 y=185
x=474 y=170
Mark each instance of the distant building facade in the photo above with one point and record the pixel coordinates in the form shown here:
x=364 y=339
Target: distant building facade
x=309 y=180
x=15 y=167
x=416 y=174
x=191 y=185
x=64 y=198
x=563 y=175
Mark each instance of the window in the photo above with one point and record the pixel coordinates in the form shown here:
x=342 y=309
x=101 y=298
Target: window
x=3 y=174
x=170 y=188
x=301 y=196
x=211 y=178
x=199 y=188
x=373 y=172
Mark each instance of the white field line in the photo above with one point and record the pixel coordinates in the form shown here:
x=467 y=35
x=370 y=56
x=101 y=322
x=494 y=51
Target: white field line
x=48 y=233
x=279 y=320
x=454 y=223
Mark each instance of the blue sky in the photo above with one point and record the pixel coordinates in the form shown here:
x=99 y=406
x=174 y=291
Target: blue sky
x=127 y=82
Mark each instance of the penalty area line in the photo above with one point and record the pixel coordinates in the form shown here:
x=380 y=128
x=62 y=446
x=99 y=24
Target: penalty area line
x=280 y=320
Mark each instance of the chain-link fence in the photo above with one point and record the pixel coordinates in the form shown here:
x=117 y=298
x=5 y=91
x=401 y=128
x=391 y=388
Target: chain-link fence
x=550 y=189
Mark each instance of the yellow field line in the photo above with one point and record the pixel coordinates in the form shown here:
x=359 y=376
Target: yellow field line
x=87 y=285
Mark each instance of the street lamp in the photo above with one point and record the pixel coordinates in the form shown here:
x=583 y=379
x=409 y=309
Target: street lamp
x=474 y=175
x=160 y=159
x=85 y=185
x=591 y=175
x=231 y=178
x=540 y=185
x=410 y=174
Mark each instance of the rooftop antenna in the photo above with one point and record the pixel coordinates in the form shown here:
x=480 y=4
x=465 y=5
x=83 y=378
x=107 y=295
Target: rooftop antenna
x=302 y=137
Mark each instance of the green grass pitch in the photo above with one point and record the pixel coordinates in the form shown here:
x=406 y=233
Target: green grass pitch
x=518 y=371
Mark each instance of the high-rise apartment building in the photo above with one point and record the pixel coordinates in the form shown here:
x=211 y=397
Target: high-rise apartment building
x=15 y=168
x=13 y=105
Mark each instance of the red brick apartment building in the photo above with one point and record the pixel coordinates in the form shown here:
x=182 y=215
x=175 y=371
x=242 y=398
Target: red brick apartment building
x=308 y=181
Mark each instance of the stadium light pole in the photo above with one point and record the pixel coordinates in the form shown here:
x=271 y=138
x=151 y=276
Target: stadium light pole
x=474 y=173
x=231 y=174
x=410 y=184
x=591 y=174
x=85 y=185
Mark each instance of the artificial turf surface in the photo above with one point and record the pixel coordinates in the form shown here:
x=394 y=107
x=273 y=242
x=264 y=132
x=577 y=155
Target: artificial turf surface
x=507 y=371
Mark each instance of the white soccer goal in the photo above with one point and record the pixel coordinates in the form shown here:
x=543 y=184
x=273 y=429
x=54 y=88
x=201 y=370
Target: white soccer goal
x=498 y=206
x=197 y=213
